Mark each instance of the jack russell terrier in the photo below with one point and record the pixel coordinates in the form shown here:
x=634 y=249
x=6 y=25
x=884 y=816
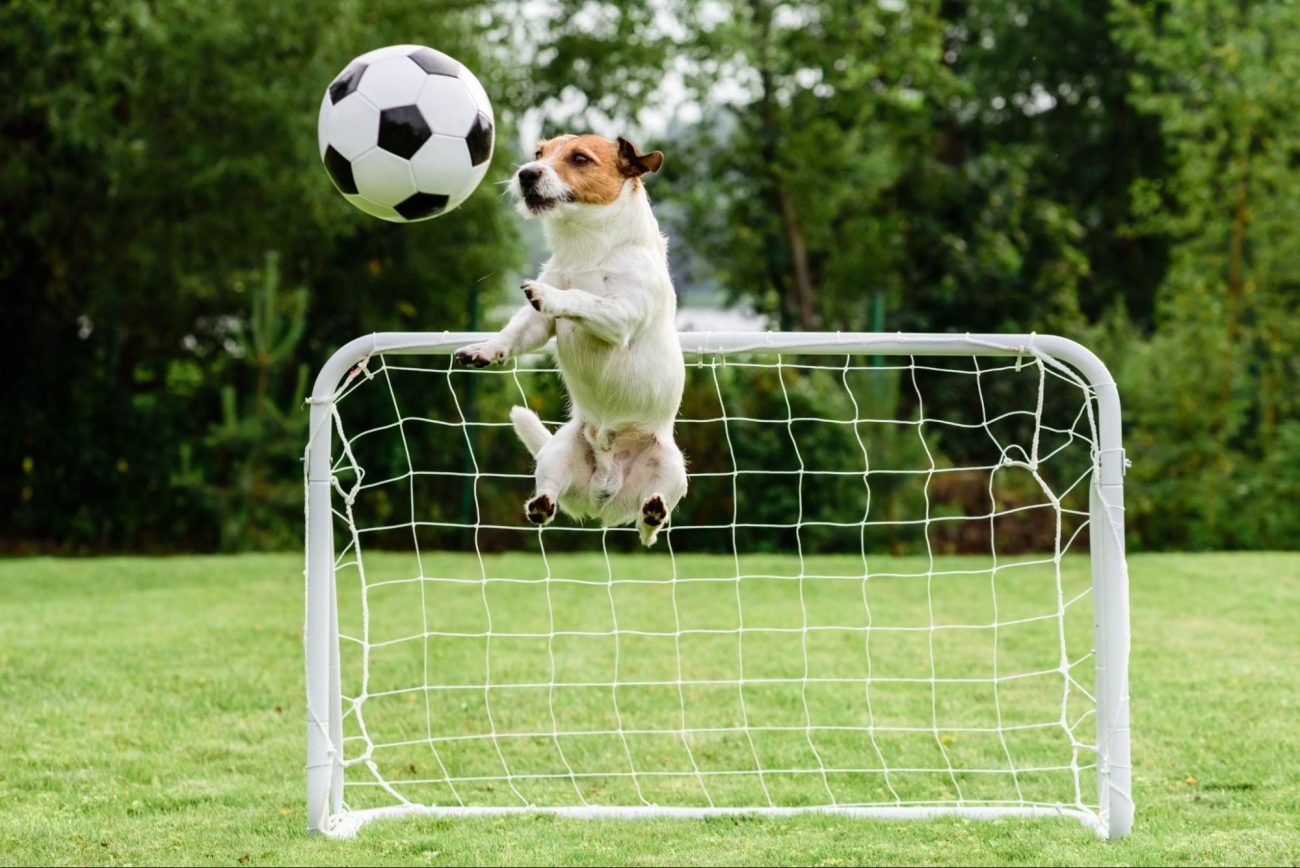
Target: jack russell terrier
x=606 y=296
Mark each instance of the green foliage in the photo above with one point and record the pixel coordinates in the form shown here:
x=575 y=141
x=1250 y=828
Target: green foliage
x=1052 y=83
x=863 y=451
x=154 y=152
x=1120 y=171
x=796 y=189
x=1210 y=413
x=260 y=431
x=851 y=149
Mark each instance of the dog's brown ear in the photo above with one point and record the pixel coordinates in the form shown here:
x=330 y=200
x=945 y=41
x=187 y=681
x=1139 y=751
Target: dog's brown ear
x=633 y=163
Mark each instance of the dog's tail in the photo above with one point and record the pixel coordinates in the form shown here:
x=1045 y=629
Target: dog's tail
x=529 y=429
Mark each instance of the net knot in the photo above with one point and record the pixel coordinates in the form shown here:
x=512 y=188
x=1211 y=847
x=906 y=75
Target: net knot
x=363 y=368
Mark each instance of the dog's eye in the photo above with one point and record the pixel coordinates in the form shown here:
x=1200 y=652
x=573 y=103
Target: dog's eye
x=538 y=154
x=579 y=159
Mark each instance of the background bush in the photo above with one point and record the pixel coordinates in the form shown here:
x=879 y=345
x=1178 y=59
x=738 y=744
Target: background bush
x=1123 y=173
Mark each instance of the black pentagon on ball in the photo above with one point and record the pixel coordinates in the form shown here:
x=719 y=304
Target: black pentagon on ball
x=435 y=62
x=479 y=139
x=346 y=82
x=402 y=130
x=421 y=205
x=340 y=171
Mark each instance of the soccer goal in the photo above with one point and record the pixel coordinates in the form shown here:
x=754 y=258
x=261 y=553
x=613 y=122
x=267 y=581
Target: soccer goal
x=896 y=589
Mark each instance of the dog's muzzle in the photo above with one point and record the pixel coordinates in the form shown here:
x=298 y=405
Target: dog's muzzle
x=537 y=191
x=528 y=178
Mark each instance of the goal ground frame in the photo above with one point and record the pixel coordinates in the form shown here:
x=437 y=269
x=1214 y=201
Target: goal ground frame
x=1107 y=554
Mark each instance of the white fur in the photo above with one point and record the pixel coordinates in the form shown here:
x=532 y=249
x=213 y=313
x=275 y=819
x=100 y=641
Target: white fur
x=606 y=296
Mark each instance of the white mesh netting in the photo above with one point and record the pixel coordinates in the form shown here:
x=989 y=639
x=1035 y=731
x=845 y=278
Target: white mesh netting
x=876 y=593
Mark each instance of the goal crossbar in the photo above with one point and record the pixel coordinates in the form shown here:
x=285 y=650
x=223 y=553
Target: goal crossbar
x=1112 y=816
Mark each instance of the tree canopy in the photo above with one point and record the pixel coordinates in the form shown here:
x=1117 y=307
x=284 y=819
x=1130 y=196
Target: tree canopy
x=174 y=258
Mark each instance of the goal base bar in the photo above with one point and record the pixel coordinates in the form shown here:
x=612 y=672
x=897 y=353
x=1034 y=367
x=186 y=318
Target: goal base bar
x=347 y=825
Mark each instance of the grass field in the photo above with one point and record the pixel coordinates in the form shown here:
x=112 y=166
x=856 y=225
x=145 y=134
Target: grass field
x=153 y=714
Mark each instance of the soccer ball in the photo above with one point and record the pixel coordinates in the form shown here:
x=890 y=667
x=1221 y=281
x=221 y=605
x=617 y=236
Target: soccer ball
x=405 y=133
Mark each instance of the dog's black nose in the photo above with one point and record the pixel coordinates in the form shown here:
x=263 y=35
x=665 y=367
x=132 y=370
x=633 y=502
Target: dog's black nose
x=528 y=176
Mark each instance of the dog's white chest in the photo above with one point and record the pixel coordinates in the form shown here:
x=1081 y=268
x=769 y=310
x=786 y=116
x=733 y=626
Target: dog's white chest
x=592 y=280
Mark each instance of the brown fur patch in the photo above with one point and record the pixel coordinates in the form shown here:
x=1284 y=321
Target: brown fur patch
x=595 y=168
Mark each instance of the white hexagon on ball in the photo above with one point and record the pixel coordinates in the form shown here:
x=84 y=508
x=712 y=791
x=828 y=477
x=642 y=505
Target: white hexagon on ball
x=383 y=178
x=377 y=54
x=476 y=90
x=447 y=105
x=392 y=82
x=353 y=126
x=441 y=165
x=471 y=183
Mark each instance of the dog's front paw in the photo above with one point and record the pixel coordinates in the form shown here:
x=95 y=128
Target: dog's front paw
x=480 y=355
x=540 y=510
x=538 y=294
x=654 y=512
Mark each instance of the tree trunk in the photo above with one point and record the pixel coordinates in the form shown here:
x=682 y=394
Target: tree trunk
x=801 y=286
x=1235 y=282
x=799 y=297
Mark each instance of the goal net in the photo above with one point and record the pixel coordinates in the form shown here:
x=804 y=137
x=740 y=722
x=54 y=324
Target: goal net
x=895 y=588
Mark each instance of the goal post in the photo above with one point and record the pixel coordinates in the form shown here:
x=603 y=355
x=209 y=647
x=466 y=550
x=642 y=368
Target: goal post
x=741 y=677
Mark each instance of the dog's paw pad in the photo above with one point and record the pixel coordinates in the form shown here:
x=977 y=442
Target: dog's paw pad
x=653 y=511
x=471 y=360
x=530 y=292
x=540 y=510
x=477 y=357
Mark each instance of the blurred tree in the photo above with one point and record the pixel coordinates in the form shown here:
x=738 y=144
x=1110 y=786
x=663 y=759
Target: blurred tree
x=154 y=151
x=828 y=151
x=1111 y=169
x=794 y=180
x=1214 y=410
x=260 y=432
x=1051 y=82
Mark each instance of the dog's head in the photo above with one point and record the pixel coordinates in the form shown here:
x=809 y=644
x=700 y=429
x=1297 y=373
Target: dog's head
x=579 y=170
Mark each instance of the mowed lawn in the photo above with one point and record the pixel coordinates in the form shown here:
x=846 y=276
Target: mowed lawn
x=152 y=710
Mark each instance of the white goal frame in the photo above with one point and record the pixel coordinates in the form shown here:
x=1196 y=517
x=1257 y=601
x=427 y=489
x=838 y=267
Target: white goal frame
x=324 y=769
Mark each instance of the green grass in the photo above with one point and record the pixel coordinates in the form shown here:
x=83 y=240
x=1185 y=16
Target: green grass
x=152 y=710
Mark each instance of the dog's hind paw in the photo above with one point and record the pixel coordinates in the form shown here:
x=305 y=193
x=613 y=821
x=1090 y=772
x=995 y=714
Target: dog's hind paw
x=653 y=515
x=540 y=510
x=653 y=511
